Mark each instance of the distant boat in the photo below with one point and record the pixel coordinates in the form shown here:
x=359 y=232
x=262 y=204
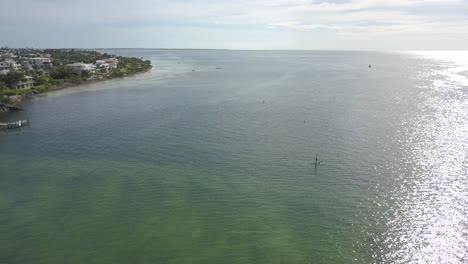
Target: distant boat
x=219 y=68
x=370 y=66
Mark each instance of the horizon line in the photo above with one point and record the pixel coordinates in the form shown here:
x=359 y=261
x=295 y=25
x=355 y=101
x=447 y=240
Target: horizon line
x=225 y=49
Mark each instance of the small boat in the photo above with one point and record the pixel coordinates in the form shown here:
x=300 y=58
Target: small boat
x=370 y=66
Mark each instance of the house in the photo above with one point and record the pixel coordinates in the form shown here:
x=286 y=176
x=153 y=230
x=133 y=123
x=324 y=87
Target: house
x=26 y=83
x=112 y=62
x=16 y=66
x=6 y=65
x=79 y=67
x=100 y=62
x=8 y=55
x=41 y=62
x=102 y=65
x=26 y=65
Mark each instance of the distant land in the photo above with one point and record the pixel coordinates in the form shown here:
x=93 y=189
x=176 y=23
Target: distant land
x=26 y=72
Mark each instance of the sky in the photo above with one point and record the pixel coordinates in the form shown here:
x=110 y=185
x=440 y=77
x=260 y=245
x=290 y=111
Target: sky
x=241 y=24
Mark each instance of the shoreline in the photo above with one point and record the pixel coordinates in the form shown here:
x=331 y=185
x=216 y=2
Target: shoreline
x=68 y=85
x=17 y=99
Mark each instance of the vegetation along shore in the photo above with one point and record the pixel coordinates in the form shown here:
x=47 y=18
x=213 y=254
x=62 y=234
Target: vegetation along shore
x=27 y=72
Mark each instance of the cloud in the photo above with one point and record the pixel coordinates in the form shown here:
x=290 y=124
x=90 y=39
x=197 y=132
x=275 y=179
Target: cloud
x=367 y=18
x=299 y=26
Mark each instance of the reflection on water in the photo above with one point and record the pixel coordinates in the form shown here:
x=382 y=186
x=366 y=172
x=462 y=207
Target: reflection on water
x=427 y=219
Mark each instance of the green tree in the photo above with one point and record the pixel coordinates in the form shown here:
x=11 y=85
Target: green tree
x=12 y=78
x=3 y=86
x=3 y=99
x=85 y=74
x=61 y=72
x=40 y=80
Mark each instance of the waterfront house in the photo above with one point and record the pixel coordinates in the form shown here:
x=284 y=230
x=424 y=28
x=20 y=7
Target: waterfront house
x=112 y=62
x=100 y=62
x=26 y=83
x=103 y=66
x=79 y=67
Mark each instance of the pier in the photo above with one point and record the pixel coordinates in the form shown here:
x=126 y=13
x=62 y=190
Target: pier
x=17 y=124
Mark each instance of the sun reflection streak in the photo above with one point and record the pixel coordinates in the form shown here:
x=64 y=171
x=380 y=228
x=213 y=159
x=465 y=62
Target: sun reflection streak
x=429 y=203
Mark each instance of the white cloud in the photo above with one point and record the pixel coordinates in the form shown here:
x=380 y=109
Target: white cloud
x=367 y=18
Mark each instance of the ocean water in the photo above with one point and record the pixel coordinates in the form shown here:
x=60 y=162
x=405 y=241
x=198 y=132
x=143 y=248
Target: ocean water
x=206 y=159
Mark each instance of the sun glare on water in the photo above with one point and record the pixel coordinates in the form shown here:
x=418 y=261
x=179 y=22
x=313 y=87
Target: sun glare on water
x=429 y=203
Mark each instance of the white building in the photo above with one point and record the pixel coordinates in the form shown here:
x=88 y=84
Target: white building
x=5 y=66
x=100 y=62
x=78 y=67
x=103 y=65
x=40 y=62
x=27 y=83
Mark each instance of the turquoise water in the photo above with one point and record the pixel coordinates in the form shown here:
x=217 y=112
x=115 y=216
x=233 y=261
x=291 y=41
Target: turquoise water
x=192 y=164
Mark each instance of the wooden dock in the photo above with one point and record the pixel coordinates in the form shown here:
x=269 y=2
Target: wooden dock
x=17 y=124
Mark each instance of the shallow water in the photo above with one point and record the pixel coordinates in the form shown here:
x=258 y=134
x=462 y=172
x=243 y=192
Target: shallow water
x=213 y=165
